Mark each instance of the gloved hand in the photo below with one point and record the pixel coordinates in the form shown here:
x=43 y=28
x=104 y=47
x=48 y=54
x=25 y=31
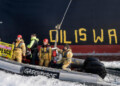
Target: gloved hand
x=28 y=52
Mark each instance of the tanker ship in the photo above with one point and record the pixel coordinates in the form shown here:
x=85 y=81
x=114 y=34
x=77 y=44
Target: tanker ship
x=90 y=27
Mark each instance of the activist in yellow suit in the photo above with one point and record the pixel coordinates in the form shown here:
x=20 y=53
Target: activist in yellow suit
x=19 y=49
x=66 y=57
x=45 y=54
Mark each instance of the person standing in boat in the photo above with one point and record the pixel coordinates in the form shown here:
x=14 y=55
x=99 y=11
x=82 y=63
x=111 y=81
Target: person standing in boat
x=19 y=49
x=66 y=57
x=34 y=47
x=45 y=54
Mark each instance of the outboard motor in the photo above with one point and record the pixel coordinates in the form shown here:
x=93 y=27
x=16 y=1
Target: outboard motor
x=93 y=65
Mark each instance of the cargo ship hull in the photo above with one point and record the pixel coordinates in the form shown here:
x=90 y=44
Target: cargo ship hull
x=90 y=27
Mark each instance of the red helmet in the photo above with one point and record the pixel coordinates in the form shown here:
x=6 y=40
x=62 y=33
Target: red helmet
x=19 y=36
x=45 y=40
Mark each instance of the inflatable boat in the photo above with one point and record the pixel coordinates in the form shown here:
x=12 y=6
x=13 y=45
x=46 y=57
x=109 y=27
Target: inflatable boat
x=34 y=70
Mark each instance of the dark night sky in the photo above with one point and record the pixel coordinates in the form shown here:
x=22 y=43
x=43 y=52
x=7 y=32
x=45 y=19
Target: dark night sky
x=39 y=16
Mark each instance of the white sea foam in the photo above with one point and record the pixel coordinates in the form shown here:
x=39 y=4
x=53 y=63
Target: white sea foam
x=112 y=64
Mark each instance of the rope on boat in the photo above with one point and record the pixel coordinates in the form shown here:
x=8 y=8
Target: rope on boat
x=58 y=26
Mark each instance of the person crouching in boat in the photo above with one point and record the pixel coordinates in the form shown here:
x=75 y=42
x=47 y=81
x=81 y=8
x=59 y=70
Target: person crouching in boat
x=33 y=46
x=45 y=54
x=66 y=57
x=19 y=49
